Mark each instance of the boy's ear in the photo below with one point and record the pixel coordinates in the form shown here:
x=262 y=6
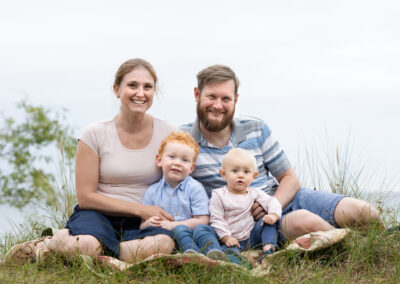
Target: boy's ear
x=192 y=168
x=158 y=160
x=255 y=174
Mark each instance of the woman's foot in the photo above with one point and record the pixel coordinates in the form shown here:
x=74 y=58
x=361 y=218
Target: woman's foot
x=31 y=251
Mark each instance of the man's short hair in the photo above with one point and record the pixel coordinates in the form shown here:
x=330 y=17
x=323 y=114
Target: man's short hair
x=215 y=74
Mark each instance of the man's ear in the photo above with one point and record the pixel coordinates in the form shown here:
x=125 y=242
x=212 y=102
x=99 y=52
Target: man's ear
x=255 y=174
x=116 y=89
x=236 y=98
x=196 y=94
x=158 y=160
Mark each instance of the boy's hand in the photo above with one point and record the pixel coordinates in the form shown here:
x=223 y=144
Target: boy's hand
x=151 y=210
x=230 y=241
x=270 y=219
x=153 y=221
x=168 y=225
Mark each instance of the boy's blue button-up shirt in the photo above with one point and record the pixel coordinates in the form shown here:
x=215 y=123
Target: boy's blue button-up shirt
x=187 y=200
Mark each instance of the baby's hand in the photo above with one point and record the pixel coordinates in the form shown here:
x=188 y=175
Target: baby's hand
x=230 y=241
x=168 y=225
x=270 y=219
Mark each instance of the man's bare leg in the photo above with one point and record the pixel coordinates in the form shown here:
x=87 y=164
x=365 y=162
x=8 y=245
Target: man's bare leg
x=136 y=250
x=300 y=222
x=351 y=212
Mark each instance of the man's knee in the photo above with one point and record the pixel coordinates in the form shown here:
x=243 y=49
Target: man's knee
x=301 y=222
x=355 y=212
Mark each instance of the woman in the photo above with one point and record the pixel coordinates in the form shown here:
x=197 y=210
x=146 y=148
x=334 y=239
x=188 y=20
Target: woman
x=114 y=166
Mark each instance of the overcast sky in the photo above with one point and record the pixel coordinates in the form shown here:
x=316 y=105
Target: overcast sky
x=306 y=67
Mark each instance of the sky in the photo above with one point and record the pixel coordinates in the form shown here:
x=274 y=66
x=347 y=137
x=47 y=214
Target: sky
x=315 y=71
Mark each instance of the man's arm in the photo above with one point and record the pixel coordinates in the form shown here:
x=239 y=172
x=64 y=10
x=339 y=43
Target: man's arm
x=288 y=186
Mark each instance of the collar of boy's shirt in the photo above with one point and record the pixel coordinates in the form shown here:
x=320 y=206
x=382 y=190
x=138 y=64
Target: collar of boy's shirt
x=180 y=186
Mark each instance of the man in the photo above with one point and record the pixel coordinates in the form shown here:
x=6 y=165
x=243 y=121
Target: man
x=217 y=131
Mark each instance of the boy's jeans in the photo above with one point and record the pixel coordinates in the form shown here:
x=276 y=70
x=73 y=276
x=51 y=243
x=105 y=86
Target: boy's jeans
x=202 y=238
x=261 y=234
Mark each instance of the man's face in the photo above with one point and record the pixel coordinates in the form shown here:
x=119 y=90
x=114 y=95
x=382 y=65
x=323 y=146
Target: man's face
x=216 y=105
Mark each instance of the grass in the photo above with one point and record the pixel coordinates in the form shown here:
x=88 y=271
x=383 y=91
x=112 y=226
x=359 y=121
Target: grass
x=363 y=257
x=373 y=257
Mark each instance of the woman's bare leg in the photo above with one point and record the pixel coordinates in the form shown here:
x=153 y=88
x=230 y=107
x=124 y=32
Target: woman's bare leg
x=136 y=250
x=63 y=242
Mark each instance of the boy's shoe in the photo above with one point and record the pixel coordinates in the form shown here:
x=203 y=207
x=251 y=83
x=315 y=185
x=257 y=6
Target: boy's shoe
x=190 y=251
x=217 y=255
x=26 y=252
x=237 y=258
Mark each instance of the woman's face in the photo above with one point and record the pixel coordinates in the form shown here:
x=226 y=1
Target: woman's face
x=136 y=91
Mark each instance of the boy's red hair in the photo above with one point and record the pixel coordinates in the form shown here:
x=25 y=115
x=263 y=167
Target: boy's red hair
x=180 y=137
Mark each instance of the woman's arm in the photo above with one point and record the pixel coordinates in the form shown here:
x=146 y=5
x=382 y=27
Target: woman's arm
x=87 y=177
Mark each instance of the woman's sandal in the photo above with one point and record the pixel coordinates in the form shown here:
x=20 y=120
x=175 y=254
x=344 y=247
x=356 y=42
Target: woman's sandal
x=26 y=252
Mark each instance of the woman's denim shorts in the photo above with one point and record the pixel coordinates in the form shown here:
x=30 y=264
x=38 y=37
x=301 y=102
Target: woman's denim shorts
x=109 y=230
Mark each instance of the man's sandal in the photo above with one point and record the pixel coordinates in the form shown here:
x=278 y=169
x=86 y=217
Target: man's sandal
x=26 y=252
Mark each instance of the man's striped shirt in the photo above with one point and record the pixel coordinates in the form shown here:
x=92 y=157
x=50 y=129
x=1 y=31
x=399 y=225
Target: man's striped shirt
x=251 y=134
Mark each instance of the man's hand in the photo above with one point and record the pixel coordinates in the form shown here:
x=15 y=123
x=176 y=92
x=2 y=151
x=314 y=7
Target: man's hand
x=257 y=211
x=230 y=241
x=151 y=210
x=168 y=225
x=270 y=219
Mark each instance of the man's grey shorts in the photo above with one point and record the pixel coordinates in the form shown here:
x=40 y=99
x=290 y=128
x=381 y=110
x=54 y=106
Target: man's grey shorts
x=318 y=202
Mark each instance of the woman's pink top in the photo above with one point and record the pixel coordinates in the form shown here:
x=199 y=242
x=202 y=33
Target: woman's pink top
x=124 y=173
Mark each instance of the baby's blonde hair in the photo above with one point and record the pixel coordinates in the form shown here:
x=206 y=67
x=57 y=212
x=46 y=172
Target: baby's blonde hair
x=239 y=153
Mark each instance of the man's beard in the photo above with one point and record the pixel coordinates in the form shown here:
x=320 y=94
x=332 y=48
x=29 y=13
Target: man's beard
x=212 y=125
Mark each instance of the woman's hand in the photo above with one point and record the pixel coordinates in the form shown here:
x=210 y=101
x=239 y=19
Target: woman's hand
x=151 y=210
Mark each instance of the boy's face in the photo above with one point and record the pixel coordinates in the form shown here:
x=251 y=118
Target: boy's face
x=176 y=162
x=238 y=174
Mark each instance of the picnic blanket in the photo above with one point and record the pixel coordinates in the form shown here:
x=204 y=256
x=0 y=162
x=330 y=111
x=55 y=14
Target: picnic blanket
x=306 y=243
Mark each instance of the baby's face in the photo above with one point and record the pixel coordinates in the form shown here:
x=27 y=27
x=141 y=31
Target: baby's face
x=176 y=162
x=238 y=174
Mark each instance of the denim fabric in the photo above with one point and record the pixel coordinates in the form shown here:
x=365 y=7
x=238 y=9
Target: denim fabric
x=260 y=235
x=318 y=202
x=109 y=230
x=202 y=238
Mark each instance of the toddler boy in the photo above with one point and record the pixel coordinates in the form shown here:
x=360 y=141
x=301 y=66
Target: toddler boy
x=183 y=197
